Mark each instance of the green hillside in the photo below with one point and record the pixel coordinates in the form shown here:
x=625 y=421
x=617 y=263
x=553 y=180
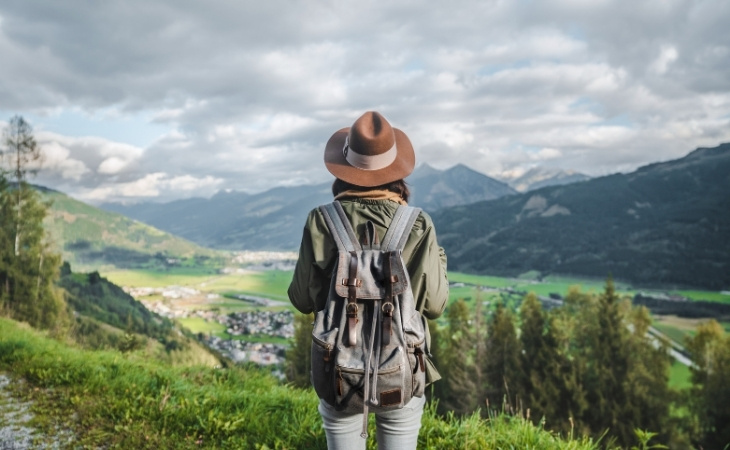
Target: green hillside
x=89 y=237
x=119 y=400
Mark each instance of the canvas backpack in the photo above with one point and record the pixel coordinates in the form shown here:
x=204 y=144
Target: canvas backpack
x=368 y=342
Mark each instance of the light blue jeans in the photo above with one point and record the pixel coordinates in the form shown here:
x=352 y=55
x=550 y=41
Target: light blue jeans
x=397 y=429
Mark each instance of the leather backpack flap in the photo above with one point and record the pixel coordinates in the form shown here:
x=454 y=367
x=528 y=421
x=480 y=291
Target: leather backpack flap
x=372 y=276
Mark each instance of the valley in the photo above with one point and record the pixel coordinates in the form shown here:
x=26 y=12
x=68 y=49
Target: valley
x=243 y=312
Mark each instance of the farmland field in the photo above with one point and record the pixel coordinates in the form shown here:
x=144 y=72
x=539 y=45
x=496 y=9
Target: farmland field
x=679 y=376
x=199 y=325
x=707 y=296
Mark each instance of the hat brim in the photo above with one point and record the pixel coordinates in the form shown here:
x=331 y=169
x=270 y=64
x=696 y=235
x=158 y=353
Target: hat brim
x=338 y=166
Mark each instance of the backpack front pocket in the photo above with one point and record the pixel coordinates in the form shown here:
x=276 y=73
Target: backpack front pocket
x=350 y=385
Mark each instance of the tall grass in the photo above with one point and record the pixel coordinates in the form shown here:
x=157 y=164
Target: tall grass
x=127 y=401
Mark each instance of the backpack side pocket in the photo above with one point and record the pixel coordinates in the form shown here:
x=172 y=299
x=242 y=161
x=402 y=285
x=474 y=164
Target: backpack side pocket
x=323 y=362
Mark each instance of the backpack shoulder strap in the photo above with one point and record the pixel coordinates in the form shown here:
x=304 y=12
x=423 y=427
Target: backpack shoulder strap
x=399 y=229
x=340 y=227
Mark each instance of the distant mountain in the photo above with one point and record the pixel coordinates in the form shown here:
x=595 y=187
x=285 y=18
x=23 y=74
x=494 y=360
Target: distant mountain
x=539 y=177
x=666 y=223
x=433 y=189
x=273 y=220
x=89 y=237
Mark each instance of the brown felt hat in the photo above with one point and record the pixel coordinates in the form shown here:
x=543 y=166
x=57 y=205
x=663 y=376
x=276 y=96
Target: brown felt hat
x=370 y=152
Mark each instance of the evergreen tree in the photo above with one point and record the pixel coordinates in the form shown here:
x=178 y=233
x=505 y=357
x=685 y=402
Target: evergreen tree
x=548 y=385
x=21 y=156
x=28 y=269
x=710 y=350
x=502 y=366
x=456 y=391
x=299 y=355
x=608 y=369
x=648 y=378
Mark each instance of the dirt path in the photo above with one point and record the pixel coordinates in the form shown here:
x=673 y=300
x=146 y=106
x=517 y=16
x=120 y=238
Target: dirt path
x=15 y=432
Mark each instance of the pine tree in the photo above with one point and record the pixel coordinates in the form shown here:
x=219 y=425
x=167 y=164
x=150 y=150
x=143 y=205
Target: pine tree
x=456 y=391
x=710 y=350
x=21 y=153
x=548 y=385
x=648 y=378
x=608 y=370
x=28 y=269
x=502 y=365
x=299 y=354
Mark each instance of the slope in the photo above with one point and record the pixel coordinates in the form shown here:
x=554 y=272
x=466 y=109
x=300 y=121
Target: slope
x=88 y=237
x=666 y=223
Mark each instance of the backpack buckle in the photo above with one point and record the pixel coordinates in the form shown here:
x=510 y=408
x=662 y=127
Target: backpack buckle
x=351 y=309
x=388 y=309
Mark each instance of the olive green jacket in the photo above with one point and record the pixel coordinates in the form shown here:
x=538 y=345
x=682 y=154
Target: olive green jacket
x=425 y=260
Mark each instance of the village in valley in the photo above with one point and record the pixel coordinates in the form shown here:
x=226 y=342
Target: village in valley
x=254 y=332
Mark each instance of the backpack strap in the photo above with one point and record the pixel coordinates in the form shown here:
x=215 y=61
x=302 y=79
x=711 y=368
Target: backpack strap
x=397 y=235
x=346 y=241
x=340 y=227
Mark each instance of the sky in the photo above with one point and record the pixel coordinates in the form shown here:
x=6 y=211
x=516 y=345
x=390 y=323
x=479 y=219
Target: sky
x=158 y=100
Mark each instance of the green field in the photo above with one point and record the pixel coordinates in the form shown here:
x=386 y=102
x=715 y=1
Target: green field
x=679 y=376
x=199 y=325
x=270 y=284
x=549 y=285
x=707 y=296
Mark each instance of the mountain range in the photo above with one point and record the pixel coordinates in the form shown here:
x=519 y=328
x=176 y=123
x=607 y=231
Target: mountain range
x=539 y=177
x=273 y=220
x=665 y=223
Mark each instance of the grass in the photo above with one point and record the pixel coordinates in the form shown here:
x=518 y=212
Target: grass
x=550 y=284
x=200 y=325
x=707 y=296
x=679 y=376
x=674 y=333
x=271 y=284
x=155 y=279
x=119 y=400
x=263 y=338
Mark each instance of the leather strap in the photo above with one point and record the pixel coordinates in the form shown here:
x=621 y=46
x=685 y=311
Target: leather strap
x=351 y=306
x=421 y=363
x=387 y=309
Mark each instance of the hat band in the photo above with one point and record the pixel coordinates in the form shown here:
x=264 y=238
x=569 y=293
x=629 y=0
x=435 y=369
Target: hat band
x=369 y=162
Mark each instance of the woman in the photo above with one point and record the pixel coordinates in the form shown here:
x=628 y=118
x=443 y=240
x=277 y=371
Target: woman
x=370 y=161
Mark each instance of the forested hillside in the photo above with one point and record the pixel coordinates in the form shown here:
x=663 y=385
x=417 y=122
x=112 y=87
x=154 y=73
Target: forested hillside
x=666 y=223
x=89 y=237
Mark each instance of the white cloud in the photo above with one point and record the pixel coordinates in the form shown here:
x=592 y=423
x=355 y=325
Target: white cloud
x=57 y=158
x=250 y=91
x=153 y=185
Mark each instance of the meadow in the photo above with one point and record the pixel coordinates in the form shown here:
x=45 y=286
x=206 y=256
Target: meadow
x=116 y=400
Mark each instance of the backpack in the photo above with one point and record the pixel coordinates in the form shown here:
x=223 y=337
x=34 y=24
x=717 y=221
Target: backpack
x=368 y=342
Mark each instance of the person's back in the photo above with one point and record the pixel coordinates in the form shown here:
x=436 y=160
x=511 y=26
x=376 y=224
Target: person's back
x=370 y=161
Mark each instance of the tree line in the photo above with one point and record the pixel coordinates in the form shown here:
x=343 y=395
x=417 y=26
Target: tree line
x=588 y=367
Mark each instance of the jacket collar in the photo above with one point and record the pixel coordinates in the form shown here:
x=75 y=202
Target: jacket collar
x=373 y=194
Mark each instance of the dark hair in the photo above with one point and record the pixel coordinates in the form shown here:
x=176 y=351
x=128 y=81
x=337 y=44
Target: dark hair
x=399 y=187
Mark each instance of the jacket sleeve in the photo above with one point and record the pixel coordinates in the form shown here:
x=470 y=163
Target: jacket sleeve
x=309 y=287
x=427 y=268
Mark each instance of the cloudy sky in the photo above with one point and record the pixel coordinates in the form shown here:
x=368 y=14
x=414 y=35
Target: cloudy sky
x=156 y=100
